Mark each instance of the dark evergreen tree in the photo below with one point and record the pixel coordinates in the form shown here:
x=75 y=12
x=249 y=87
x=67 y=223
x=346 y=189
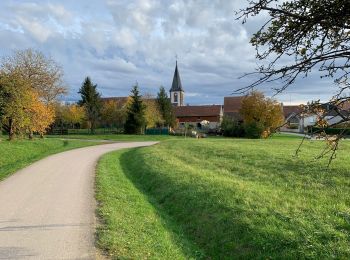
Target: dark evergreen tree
x=91 y=100
x=135 y=120
x=165 y=107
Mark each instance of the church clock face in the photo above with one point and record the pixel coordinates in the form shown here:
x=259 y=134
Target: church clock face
x=176 y=97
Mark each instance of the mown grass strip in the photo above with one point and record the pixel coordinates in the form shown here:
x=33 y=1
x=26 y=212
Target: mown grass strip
x=132 y=226
x=20 y=153
x=243 y=198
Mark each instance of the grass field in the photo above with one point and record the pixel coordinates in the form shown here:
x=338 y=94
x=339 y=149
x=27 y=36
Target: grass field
x=18 y=154
x=225 y=199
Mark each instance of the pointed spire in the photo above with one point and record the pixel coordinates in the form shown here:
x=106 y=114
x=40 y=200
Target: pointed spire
x=176 y=86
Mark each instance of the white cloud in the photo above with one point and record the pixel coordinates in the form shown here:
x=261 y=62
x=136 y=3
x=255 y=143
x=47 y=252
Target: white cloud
x=35 y=28
x=117 y=42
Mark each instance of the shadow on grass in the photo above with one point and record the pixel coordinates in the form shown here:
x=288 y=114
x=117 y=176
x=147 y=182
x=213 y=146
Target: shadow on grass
x=222 y=230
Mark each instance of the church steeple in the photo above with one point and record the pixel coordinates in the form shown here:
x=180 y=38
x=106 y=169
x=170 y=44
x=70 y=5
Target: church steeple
x=176 y=92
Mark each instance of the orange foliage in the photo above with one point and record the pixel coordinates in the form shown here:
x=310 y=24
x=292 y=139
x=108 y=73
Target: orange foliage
x=265 y=112
x=113 y=112
x=41 y=116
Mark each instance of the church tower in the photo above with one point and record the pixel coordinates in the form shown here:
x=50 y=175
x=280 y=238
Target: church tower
x=177 y=93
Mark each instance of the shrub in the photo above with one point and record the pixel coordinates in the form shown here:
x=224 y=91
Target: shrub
x=330 y=131
x=261 y=114
x=254 y=130
x=232 y=128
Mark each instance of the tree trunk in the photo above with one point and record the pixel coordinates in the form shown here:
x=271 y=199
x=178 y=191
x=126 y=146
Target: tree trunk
x=30 y=136
x=92 y=127
x=11 y=130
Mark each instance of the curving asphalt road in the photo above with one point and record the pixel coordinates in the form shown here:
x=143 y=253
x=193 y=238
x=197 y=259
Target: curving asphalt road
x=47 y=210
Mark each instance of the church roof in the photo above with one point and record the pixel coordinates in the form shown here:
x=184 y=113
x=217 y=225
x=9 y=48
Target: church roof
x=176 y=86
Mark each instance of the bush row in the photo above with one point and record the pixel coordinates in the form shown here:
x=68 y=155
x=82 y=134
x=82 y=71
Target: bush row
x=233 y=128
x=330 y=131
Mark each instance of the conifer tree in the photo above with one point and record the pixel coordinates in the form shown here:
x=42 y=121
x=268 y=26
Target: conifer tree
x=135 y=121
x=91 y=101
x=165 y=107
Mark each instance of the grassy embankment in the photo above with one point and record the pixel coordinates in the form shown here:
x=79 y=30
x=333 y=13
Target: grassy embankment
x=20 y=153
x=224 y=199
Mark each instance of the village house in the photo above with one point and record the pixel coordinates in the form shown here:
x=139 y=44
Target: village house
x=232 y=105
x=333 y=116
x=211 y=116
x=200 y=116
x=293 y=119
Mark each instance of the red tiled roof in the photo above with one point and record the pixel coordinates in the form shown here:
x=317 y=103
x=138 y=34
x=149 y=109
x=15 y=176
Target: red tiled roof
x=287 y=110
x=232 y=104
x=187 y=111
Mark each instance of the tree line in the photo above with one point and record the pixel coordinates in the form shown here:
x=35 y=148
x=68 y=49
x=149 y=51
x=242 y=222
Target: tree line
x=132 y=114
x=31 y=85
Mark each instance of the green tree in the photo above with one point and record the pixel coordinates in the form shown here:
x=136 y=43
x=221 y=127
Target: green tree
x=135 y=120
x=91 y=101
x=153 y=115
x=165 y=108
x=15 y=100
x=231 y=127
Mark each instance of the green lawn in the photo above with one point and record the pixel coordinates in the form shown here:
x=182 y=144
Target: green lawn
x=225 y=199
x=20 y=153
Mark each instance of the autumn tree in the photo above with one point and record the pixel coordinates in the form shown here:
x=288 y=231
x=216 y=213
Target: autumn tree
x=40 y=115
x=113 y=112
x=22 y=111
x=261 y=115
x=30 y=82
x=135 y=120
x=43 y=74
x=165 y=108
x=69 y=114
x=15 y=98
x=91 y=101
x=153 y=115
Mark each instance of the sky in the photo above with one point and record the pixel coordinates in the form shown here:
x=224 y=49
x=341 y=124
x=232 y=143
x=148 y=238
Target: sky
x=118 y=43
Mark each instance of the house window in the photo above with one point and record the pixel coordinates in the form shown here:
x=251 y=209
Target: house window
x=176 y=98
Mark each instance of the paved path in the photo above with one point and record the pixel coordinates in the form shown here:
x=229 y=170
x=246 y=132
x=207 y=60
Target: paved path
x=47 y=210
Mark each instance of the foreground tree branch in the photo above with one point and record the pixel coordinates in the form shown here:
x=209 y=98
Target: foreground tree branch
x=299 y=38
